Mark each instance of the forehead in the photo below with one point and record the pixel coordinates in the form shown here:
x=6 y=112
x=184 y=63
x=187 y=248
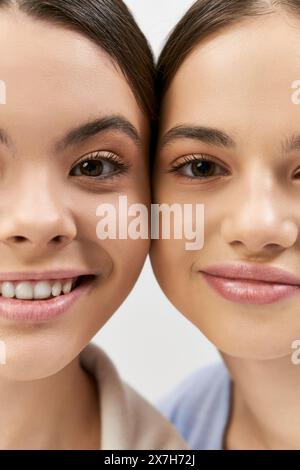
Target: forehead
x=53 y=74
x=242 y=72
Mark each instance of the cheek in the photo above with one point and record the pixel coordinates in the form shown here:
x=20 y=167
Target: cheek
x=172 y=266
x=172 y=259
x=116 y=225
x=132 y=244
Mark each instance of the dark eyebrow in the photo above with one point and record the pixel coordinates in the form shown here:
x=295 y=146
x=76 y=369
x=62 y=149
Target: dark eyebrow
x=216 y=137
x=208 y=135
x=85 y=131
x=91 y=128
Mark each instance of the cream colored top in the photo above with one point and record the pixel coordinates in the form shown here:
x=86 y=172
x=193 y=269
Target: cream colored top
x=128 y=421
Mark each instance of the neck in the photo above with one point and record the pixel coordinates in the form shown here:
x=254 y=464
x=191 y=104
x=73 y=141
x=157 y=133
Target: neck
x=265 y=408
x=56 y=412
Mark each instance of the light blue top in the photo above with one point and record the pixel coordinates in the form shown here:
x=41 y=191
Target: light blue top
x=199 y=407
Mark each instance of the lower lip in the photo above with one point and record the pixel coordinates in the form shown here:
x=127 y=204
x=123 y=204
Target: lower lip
x=41 y=310
x=249 y=292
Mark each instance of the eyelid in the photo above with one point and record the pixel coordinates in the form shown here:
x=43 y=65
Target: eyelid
x=183 y=162
x=108 y=157
x=101 y=155
x=186 y=159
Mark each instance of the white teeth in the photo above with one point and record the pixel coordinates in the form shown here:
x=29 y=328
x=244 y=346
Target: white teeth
x=27 y=290
x=23 y=290
x=56 y=288
x=42 y=290
x=67 y=287
x=8 y=289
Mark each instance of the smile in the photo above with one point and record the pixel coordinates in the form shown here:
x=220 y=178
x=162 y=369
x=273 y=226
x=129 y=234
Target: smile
x=28 y=290
x=41 y=299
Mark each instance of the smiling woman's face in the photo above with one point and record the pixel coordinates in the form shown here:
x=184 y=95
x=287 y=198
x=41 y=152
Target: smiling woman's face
x=239 y=83
x=57 y=81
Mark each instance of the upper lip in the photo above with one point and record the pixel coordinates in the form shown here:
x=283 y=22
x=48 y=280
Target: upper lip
x=54 y=274
x=253 y=272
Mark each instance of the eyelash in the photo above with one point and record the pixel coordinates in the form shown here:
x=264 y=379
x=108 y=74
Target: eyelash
x=188 y=159
x=110 y=157
x=201 y=157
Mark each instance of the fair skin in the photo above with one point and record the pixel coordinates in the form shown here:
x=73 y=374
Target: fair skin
x=251 y=202
x=48 y=400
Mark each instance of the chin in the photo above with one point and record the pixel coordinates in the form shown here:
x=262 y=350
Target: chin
x=29 y=358
x=257 y=345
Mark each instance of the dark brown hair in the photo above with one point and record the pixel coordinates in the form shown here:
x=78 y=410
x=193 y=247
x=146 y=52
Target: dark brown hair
x=109 y=24
x=206 y=17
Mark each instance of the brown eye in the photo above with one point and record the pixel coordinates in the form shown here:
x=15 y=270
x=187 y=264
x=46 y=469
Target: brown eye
x=202 y=168
x=91 y=168
x=99 y=166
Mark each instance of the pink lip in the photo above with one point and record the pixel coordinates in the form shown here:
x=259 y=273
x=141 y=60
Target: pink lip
x=41 y=310
x=250 y=283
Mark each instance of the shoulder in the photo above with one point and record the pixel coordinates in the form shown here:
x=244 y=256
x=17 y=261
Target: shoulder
x=128 y=420
x=199 y=406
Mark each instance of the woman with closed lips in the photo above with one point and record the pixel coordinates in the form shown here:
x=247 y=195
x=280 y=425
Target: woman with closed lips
x=74 y=134
x=229 y=139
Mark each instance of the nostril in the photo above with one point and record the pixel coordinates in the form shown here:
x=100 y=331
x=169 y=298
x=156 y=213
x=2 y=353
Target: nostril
x=18 y=239
x=57 y=238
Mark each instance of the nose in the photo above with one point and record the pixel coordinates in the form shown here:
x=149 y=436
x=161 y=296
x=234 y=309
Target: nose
x=36 y=221
x=261 y=219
